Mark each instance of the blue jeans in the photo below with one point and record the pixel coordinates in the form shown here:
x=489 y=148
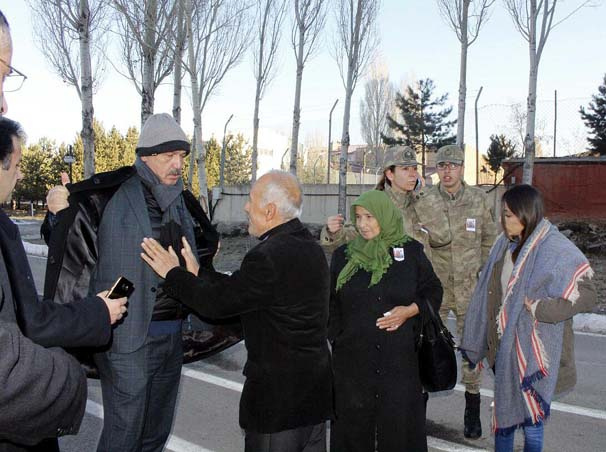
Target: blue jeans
x=533 y=440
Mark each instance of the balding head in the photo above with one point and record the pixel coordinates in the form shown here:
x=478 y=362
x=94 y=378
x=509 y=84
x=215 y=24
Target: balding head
x=274 y=199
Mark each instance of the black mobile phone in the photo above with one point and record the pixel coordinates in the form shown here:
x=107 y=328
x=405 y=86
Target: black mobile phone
x=418 y=185
x=121 y=288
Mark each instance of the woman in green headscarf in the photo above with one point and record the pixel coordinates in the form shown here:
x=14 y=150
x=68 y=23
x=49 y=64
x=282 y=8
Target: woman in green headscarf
x=380 y=280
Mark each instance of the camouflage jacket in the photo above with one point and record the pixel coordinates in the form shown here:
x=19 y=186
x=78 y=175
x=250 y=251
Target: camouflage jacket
x=424 y=215
x=473 y=232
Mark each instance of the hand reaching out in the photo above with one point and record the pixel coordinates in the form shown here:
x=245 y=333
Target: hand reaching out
x=190 y=261
x=334 y=223
x=159 y=259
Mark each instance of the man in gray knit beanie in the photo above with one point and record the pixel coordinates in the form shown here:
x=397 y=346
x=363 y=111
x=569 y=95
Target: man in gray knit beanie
x=140 y=370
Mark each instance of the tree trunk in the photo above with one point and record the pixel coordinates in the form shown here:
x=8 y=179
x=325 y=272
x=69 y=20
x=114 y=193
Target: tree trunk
x=463 y=77
x=352 y=66
x=147 y=82
x=178 y=71
x=255 y=154
x=296 y=120
x=531 y=102
x=86 y=82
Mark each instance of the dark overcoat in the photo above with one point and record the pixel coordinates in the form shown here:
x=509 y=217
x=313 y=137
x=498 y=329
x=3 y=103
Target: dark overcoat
x=377 y=384
x=281 y=293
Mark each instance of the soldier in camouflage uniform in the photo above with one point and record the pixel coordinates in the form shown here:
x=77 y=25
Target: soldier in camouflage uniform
x=423 y=210
x=457 y=265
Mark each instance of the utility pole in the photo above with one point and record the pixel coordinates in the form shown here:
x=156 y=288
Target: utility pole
x=555 y=120
x=330 y=141
x=222 y=167
x=477 y=139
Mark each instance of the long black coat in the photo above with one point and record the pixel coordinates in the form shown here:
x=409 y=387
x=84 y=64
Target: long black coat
x=377 y=384
x=281 y=292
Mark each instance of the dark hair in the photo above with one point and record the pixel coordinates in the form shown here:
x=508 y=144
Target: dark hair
x=526 y=203
x=8 y=130
x=3 y=21
x=384 y=180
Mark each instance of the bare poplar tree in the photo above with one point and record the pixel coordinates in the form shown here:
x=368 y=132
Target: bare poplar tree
x=309 y=20
x=179 y=49
x=377 y=103
x=355 y=45
x=465 y=17
x=64 y=32
x=146 y=28
x=218 y=34
x=270 y=16
x=531 y=17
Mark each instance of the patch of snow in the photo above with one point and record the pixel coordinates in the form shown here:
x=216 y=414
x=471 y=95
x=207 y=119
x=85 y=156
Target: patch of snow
x=35 y=250
x=591 y=323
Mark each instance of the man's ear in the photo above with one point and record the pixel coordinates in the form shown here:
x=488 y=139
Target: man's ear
x=270 y=211
x=143 y=158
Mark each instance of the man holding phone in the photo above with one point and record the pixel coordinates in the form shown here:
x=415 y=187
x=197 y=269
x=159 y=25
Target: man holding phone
x=423 y=210
x=43 y=392
x=99 y=234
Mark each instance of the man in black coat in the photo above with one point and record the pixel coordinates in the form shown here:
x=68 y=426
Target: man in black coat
x=42 y=391
x=281 y=292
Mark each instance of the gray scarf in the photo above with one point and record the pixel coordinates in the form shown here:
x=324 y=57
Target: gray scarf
x=170 y=201
x=528 y=357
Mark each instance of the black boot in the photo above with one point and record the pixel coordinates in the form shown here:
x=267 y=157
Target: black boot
x=473 y=426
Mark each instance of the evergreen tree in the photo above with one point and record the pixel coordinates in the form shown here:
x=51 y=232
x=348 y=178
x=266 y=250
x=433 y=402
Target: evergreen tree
x=500 y=148
x=36 y=167
x=595 y=119
x=422 y=121
x=238 y=161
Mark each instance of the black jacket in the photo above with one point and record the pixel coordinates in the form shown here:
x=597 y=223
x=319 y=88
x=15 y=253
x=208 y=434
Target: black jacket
x=72 y=250
x=281 y=293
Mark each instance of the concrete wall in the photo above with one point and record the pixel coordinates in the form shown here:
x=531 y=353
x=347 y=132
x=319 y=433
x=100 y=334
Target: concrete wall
x=319 y=202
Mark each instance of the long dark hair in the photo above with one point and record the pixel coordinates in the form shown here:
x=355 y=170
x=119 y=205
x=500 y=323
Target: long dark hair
x=384 y=180
x=526 y=203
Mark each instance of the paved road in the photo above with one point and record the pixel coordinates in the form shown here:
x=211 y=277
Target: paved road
x=207 y=411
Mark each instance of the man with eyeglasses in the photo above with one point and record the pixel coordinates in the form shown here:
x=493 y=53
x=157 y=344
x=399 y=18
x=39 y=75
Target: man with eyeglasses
x=99 y=235
x=473 y=232
x=43 y=390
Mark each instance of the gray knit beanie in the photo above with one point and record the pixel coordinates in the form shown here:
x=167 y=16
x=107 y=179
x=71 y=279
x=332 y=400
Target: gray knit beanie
x=161 y=133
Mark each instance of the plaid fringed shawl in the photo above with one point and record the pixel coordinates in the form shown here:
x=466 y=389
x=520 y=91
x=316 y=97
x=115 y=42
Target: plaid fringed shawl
x=527 y=361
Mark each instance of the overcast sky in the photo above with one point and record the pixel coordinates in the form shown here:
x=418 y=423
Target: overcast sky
x=415 y=43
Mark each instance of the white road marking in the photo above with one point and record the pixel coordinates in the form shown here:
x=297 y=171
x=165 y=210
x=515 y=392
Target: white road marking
x=435 y=443
x=174 y=443
x=555 y=406
x=440 y=444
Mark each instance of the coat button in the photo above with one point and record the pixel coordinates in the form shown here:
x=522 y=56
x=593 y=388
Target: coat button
x=378 y=347
x=378 y=372
x=376 y=396
x=153 y=289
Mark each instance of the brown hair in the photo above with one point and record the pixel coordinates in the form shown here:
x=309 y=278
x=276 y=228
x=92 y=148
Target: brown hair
x=384 y=180
x=526 y=203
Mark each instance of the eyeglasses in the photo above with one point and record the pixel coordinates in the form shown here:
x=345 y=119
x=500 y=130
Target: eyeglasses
x=14 y=79
x=450 y=165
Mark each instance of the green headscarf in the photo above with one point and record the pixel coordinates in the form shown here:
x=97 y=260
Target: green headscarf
x=373 y=255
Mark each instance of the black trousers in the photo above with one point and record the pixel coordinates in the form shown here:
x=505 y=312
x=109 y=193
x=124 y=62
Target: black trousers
x=311 y=438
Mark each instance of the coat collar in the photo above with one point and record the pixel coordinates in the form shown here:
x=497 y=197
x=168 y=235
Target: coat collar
x=289 y=227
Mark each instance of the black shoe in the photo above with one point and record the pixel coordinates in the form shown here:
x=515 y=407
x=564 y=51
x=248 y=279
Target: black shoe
x=473 y=426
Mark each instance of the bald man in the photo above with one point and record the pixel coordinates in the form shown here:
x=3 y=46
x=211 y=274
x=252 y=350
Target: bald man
x=281 y=293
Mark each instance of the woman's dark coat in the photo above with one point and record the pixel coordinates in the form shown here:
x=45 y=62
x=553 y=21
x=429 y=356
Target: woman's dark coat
x=377 y=381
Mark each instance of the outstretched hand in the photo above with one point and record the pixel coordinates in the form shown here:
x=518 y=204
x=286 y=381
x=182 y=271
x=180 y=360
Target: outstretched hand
x=159 y=259
x=190 y=261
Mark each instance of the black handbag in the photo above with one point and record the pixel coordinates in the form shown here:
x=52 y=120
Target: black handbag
x=436 y=348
